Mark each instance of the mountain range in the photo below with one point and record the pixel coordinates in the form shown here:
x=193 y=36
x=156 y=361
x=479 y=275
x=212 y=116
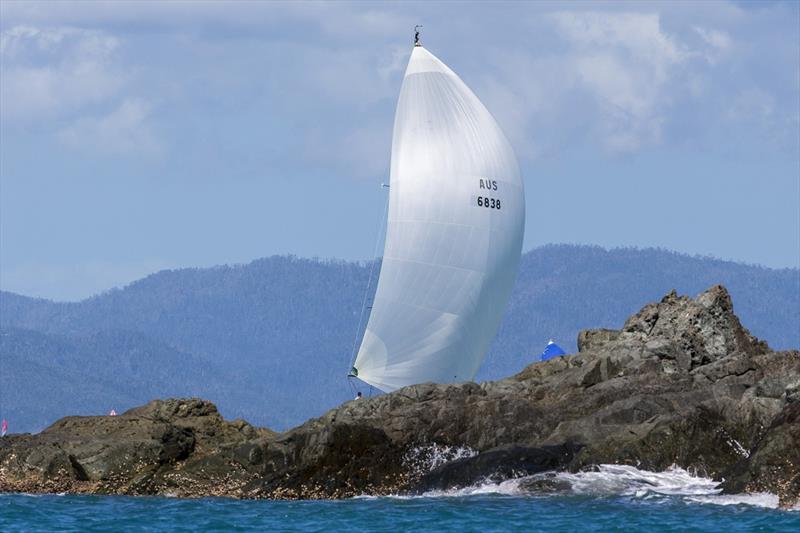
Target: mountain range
x=272 y=341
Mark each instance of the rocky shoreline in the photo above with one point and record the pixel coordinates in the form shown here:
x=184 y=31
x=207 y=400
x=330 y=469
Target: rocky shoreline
x=681 y=383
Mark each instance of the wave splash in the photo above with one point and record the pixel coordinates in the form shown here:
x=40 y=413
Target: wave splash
x=424 y=458
x=617 y=480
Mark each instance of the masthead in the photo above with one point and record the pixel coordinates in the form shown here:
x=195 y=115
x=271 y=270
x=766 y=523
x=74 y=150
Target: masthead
x=416 y=35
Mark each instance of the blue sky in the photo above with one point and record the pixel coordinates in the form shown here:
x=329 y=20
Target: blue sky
x=140 y=136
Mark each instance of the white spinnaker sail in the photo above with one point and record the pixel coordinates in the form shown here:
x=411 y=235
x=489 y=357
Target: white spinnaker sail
x=453 y=239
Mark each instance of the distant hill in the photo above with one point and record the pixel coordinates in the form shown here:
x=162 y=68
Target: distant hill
x=107 y=370
x=271 y=341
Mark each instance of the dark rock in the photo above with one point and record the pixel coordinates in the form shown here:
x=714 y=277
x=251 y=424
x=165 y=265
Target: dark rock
x=497 y=464
x=545 y=484
x=773 y=465
x=130 y=453
x=681 y=383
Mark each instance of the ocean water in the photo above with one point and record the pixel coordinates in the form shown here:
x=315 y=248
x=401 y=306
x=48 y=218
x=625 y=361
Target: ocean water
x=615 y=498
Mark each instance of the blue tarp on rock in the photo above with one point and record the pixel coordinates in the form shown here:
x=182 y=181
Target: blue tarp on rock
x=552 y=350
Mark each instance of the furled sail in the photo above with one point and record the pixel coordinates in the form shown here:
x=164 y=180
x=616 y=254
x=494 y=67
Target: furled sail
x=453 y=239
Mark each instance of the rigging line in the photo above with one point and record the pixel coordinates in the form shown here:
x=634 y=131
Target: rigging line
x=379 y=231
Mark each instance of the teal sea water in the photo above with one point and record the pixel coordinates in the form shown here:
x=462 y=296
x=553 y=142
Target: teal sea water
x=485 y=512
x=613 y=498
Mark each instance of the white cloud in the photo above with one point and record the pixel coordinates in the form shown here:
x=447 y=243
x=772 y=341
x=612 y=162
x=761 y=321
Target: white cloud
x=716 y=38
x=124 y=131
x=51 y=72
x=717 y=43
x=72 y=76
x=601 y=72
x=626 y=62
x=638 y=34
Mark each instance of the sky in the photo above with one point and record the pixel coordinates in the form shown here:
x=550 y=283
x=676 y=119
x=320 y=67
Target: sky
x=139 y=136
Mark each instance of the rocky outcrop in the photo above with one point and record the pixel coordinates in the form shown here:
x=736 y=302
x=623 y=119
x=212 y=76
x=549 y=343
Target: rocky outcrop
x=164 y=447
x=682 y=383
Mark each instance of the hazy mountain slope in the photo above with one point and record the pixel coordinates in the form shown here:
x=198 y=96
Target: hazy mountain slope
x=272 y=340
x=274 y=306
x=47 y=375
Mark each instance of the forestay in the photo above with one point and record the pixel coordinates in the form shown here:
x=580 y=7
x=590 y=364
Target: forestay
x=454 y=235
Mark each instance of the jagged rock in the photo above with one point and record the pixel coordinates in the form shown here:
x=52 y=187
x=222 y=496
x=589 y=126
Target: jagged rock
x=681 y=383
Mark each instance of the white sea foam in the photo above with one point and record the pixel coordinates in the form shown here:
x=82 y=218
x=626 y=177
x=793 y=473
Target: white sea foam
x=756 y=499
x=509 y=487
x=423 y=458
x=630 y=481
x=618 y=480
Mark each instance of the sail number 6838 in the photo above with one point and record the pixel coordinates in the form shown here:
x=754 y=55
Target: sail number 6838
x=491 y=203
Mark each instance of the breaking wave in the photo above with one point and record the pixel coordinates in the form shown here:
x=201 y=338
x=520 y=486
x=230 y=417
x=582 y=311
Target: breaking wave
x=424 y=458
x=617 y=480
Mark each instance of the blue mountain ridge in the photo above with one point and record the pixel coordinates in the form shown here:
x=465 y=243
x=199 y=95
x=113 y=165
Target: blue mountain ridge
x=271 y=341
